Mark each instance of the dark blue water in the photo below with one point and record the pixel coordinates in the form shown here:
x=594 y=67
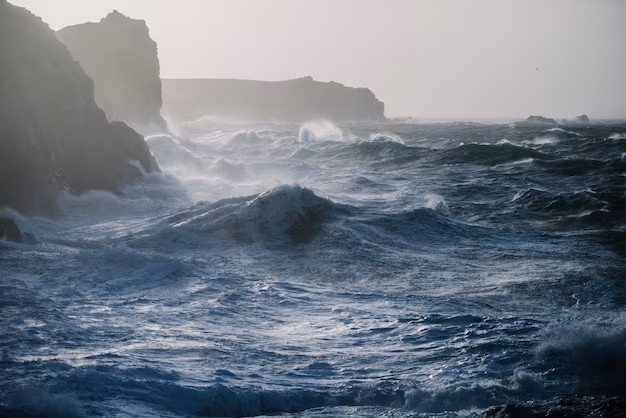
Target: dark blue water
x=363 y=270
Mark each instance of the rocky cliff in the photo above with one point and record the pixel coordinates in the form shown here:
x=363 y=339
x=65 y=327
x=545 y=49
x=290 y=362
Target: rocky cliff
x=121 y=58
x=53 y=136
x=292 y=100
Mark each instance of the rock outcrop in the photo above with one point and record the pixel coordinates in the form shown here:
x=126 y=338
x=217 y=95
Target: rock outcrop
x=292 y=100
x=582 y=119
x=121 y=58
x=9 y=230
x=537 y=121
x=53 y=136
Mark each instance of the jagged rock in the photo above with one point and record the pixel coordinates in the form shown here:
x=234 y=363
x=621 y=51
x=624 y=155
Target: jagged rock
x=9 y=230
x=122 y=59
x=569 y=407
x=292 y=100
x=539 y=121
x=582 y=119
x=53 y=136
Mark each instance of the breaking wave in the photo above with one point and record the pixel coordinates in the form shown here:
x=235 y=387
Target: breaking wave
x=382 y=138
x=151 y=387
x=363 y=269
x=593 y=352
x=321 y=130
x=286 y=213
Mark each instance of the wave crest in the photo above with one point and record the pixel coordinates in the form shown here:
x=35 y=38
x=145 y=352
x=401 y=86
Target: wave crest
x=287 y=213
x=592 y=351
x=386 y=138
x=483 y=154
x=321 y=130
x=14 y=227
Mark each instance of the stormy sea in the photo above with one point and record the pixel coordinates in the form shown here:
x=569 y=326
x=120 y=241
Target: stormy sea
x=390 y=269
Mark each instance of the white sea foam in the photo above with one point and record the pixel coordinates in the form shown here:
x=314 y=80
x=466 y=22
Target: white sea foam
x=563 y=131
x=385 y=138
x=436 y=202
x=542 y=140
x=220 y=287
x=320 y=130
x=592 y=348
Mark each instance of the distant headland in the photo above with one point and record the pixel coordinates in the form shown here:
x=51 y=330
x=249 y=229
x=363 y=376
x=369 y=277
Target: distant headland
x=291 y=100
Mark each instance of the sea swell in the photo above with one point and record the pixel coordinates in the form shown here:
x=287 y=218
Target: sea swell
x=292 y=214
x=383 y=269
x=490 y=154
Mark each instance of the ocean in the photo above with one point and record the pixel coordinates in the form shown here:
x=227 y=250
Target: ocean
x=387 y=269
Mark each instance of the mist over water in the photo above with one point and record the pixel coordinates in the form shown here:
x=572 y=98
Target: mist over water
x=381 y=269
x=423 y=58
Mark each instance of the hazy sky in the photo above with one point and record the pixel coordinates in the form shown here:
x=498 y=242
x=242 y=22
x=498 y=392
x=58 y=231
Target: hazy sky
x=430 y=58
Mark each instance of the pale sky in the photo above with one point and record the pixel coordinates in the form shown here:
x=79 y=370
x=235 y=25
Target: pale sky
x=423 y=58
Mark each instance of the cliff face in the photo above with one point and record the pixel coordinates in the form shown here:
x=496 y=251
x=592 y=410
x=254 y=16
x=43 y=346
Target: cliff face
x=121 y=58
x=53 y=136
x=292 y=100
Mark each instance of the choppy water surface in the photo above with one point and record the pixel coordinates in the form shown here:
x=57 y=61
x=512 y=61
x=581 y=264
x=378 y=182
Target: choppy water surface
x=365 y=270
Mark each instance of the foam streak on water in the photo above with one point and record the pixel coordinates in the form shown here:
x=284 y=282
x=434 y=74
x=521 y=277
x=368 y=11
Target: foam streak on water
x=322 y=270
